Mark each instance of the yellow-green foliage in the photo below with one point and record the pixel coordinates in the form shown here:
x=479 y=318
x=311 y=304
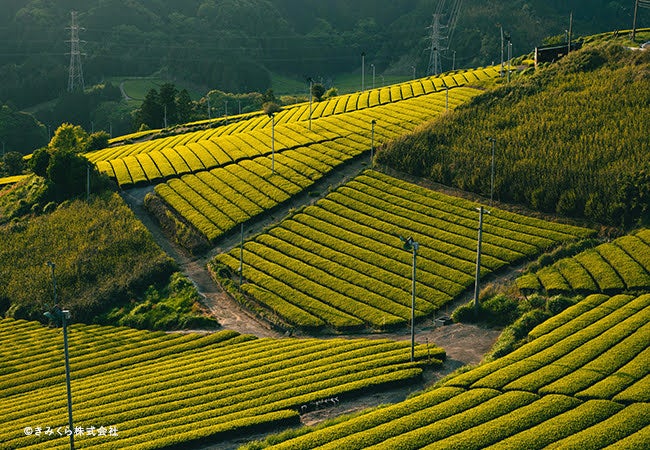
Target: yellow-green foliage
x=620 y=265
x=101 y=252
x=406 y=106
x=341 y=262
x=161 y=389
x=571 y=138
x=527 y=399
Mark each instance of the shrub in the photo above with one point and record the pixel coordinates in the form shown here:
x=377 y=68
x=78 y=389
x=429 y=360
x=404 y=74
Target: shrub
x=501 y=309
x=39 y=161
x=559 y=303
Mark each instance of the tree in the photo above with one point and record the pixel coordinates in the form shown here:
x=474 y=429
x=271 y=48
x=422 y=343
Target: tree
x=331 y=92
x=184 y=106
x=13 y=163
x=317 y=90
x=39 y=161
x=151 y=111
x=69 y=138
x=271 y=108
x=98 y=140
x=167 y=98
x=269 y=97
x=20 y=131
x=67 y=173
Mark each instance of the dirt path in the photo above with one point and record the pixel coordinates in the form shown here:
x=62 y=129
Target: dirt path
x=230 y=314
x=125 y=96
x=464 y=344
x=221 y=306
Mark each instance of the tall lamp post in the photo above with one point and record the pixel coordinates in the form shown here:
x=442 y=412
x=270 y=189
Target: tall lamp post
x=58 y=315
x=241 y=257
x=501 y=73
x=363 y=71
x=491 y=139
x=481 y=211
x=311 y=84
x=412 y=245
x=447 y=98
x=272 y=114
x=372 y=143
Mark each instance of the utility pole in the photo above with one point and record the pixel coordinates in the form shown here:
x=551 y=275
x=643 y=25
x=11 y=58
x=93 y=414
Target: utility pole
x=509 y=55
x=501 y=74
x=75 y=72
x=568 y=50
x=492 y=172
x=413 y=246
x=453 y=61
x=165 y=116
x=241 y=256
x=636 y=10
x=447 y=98
x=372 y=143
x=363 y=71
x=63 y=315
x=209 y=112
x=480 y=210
x=311 y=84
x=273 y=143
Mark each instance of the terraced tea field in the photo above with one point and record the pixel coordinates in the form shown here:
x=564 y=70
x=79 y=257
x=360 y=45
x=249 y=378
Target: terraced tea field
x=217 y=178
x=581 y=382
x=617 y=266
x=156 y=389
x=339 y=263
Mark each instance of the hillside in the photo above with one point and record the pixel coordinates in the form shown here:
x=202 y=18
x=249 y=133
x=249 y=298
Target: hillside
x=361 y=257
x=200 y=388
x=338 y=263
x=568 y=139
x=235 y=45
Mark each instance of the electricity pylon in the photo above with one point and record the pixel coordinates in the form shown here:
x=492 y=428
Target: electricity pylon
x=75 y=73
x=441 y=34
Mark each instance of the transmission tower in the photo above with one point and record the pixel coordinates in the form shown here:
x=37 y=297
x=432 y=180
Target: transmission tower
x=442 y=33
x=75 y=74
x=435 y=64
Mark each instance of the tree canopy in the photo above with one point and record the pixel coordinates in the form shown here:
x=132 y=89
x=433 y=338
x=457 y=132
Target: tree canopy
x=233 y=45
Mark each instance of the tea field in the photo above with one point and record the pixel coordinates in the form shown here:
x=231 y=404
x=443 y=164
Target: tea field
x=152 y=390
x=617 y=266
x=580 y=382
x=339 y=263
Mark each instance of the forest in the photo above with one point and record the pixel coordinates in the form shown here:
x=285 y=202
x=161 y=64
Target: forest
x=236 y=45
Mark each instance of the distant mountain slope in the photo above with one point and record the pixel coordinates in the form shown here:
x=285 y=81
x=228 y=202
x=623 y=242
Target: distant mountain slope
x=231 y=45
